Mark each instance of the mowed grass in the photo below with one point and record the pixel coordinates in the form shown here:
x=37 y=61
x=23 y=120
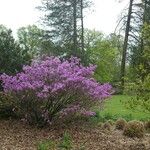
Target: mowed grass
x=114 y=108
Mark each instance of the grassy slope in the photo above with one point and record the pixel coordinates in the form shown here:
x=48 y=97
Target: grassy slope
x=114 y=107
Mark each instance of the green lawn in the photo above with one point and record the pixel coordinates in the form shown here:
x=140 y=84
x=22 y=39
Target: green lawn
x=114 y=108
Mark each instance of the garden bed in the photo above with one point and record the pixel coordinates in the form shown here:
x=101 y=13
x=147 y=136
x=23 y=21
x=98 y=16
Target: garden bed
x=14 y=135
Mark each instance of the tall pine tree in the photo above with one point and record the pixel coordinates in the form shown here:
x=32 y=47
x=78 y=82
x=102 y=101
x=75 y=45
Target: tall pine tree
x=64 y=24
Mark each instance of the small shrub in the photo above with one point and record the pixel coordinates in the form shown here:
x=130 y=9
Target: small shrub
x=7 y=106
x=134 y=129
x=138 y=146
x=46 y=145
x=52 y=88
x=100 y=124
x=147 y=125
x=140 y=91
x=120 y=124
x=66 y=142
x=107 y=126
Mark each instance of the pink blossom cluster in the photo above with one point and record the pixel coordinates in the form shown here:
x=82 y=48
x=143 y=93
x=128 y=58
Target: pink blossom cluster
x=62 y=83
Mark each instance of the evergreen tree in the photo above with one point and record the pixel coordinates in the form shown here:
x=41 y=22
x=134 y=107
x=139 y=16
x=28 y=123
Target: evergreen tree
x=140 y=50
x=10 y=53
x=64 y=22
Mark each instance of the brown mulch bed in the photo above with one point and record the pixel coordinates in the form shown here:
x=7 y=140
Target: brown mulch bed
x=15 y=135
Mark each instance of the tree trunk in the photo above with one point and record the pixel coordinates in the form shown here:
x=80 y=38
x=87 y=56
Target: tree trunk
x=125 y=45
x=142 y=43
x=84 y=55
x=82 y=29
x=75 y=27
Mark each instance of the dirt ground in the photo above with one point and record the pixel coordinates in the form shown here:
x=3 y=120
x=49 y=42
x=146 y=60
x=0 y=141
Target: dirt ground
x=14 y=135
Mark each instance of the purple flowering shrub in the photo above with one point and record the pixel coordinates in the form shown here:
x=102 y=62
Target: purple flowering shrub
x=52 y=88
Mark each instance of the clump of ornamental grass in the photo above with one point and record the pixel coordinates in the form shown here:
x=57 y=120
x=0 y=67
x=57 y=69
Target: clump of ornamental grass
x=46 y=145
x=120 y=124
x=7 y=106
x=53 y=88
x=147 y=125
x=138 y=146
x=100 y=124
x=107 y=126
x=66 y=142
x=134 y=129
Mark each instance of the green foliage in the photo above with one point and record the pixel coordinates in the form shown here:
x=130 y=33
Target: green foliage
x=62 y=24
x=140 y=88
x=110 y=117
x=134 y=129
x=140 y=95
x=103 y=51
x=98 y=117
x=33 y=41
x=46 y=145
x=7 y=106
x=66 y=142
x=144 y=67
x=10 y=53
x=140 y=58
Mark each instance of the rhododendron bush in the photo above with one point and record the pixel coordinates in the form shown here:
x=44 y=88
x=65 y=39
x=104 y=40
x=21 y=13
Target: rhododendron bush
x=53 y=87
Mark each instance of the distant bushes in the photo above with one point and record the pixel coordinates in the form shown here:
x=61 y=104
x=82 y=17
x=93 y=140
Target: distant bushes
x=52 y=88
x=140 y=91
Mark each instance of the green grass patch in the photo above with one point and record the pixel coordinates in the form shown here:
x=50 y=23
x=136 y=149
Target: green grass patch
x=46 y=145
x=114 y=108
x=64 y=144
